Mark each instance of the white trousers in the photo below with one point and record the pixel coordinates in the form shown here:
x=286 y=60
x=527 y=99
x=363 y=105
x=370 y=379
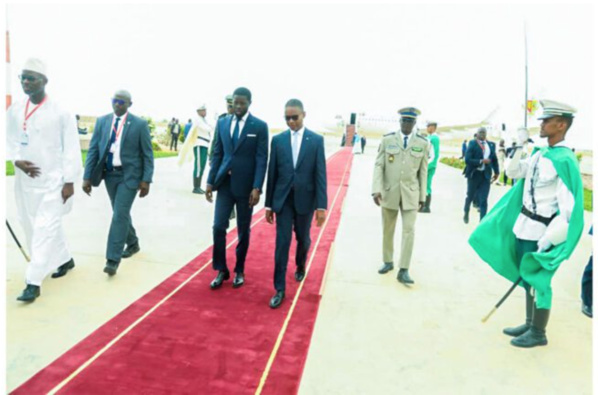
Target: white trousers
x=40 y=212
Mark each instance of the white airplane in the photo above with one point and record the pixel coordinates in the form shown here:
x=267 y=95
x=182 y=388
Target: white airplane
x=376 y=126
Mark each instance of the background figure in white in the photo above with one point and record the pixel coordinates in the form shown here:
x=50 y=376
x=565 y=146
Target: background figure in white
x=43 y=143
x=199 y=139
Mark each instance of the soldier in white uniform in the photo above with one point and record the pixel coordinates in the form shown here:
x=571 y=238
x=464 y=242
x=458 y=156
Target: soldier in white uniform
x=200 y=149
x=400 y=182
x=43 y=143
x=536 y=226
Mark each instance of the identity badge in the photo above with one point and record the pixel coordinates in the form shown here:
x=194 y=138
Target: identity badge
x=24 y=139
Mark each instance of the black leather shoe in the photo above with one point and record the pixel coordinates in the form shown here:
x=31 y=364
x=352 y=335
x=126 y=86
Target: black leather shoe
x=388 y=266
x=587 y=310
x=111 y=267
x=220 y=278
x=404 y=278
x=300 y=273
x=517 y=330
x=466 y=218
x=239 y=280
x=30 y=293
x=277 y=299
x=130 y=251
x=63 y=269
x=531 y=338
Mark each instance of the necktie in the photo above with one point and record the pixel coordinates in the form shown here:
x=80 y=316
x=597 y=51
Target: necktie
x=110 y=158
x=295 y=147
x=236 y=133
x=405 y=141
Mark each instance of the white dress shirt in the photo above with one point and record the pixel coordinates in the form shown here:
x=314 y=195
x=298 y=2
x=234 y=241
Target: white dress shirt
x=550 y=194
x=116 y=154
x=486 y=149
x=402 y=137
x=242 y=122
x=299 y=139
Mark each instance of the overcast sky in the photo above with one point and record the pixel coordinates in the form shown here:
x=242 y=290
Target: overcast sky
x=454 y=62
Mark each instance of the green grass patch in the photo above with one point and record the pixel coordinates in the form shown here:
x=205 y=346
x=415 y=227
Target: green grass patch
x=453 y=162
x=587 y=199
x=460 y=164
x=10 y=169
x=164 y=154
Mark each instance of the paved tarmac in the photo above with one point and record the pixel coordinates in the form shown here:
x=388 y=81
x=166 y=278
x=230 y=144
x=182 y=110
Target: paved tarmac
x=372 y=336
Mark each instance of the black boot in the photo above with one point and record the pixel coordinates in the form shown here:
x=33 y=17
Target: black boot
x=403 y=277
x=426 y=208
x=30 y=293
x=521 y=329
x=536 y=334
x=196 y=185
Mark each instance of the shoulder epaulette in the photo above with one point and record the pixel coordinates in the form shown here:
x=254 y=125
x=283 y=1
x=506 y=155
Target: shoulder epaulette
x=389 y=134
x=421 y=137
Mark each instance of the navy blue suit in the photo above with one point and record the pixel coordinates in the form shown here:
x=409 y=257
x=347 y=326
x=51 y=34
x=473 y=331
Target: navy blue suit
x=294 y=193
x=137 y=165
x=478 y=182
x=235 y=171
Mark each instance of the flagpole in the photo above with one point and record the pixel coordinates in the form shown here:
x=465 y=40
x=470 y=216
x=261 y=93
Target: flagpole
x=8 y=73
x=526 y=76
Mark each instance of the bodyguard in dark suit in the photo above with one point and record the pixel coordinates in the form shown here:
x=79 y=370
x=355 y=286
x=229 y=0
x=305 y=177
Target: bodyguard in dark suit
x=296 y=188
x=237 y=172
x=120 y=153
x=480 y=162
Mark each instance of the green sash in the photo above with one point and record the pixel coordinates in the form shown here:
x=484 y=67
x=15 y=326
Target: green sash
x=494 y=241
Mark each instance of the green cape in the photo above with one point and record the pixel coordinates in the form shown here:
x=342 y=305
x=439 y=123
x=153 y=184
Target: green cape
x=494 y=241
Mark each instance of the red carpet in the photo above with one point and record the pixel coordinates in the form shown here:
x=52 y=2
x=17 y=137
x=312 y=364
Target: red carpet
x=182 y=337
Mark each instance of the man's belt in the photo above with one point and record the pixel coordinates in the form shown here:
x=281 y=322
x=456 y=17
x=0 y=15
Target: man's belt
x=204 y=139
x=536 y=217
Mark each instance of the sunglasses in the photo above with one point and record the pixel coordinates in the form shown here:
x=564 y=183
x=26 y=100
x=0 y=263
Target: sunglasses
x=120 y=102
x=29 y=78
x=291 y=117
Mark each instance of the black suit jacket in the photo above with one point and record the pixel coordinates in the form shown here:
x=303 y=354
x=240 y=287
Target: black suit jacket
x=474 y=156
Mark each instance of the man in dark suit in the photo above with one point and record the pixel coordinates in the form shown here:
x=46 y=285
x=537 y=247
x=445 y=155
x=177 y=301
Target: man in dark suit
x=296 y=188
x=480 y=162
x=120 y=153
x=237 y=172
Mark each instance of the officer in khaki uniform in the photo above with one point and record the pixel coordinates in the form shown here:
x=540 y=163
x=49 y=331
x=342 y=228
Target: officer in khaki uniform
x=400 y=182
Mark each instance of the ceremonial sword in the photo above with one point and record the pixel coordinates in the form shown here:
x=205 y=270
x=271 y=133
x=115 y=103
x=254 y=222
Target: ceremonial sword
x=502 y=300
x=17 y=241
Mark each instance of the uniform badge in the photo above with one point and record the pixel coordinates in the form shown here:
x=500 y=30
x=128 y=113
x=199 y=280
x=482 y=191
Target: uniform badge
x=417 y=149
x=391 y=158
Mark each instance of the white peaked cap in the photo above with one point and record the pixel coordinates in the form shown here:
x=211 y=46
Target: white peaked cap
x=35 y=64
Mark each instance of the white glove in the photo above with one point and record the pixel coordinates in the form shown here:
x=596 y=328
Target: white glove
x=522 y=136
x=543 y=245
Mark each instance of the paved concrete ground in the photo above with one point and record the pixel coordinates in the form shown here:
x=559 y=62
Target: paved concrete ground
x=173 y=226
x=375 y=336
x=372 y=335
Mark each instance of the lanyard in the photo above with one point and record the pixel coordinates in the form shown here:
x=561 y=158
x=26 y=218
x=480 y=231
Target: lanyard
x=120 y=127
x=27 y=116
